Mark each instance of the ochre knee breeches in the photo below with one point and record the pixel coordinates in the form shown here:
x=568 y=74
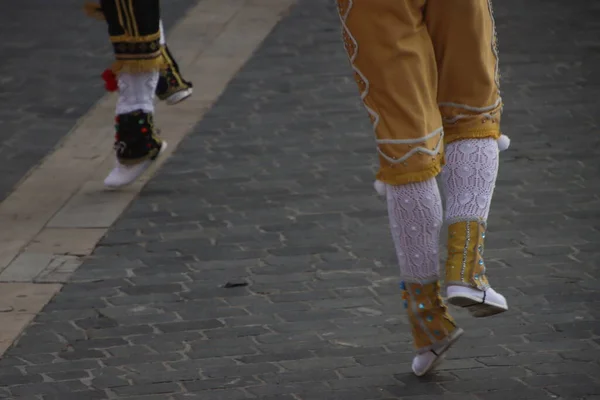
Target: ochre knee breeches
x=427 y=72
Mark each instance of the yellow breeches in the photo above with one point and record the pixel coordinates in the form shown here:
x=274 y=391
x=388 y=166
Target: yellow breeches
x=427 y=74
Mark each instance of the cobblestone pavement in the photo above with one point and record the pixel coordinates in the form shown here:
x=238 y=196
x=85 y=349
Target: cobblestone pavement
x=52 y=58
x=274 y=190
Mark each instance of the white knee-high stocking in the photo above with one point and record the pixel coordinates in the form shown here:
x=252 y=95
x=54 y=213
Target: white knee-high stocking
x=415 y=215
x=469 y=178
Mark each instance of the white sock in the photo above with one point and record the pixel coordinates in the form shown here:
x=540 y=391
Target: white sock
x=136 y=92
x=469 y=178
x=415 y=214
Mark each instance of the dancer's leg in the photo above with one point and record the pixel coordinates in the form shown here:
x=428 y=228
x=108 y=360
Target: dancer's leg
x=464 y=41
x=172 y=87
x=394 y=66
x=134 y=31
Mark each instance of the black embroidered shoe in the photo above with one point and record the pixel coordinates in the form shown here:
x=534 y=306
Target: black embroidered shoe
x=137 y=144
x=171 y=87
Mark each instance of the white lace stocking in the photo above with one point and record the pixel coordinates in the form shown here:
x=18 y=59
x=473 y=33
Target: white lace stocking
x=136 y=92
x=469 y=178
x=415 y=214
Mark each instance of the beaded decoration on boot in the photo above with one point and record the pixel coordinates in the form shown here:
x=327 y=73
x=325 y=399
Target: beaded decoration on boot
x=136 y=139
x=137 y=144
x=433 y=329
x=466 y=282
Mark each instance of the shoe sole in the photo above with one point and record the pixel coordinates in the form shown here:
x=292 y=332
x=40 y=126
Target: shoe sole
x=179 y=96
x=441 y=354
x=476 y=307
x=163 y=147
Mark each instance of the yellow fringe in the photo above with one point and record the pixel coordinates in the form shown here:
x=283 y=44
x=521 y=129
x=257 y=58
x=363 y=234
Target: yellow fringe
x=139 y=66
x=94 y=10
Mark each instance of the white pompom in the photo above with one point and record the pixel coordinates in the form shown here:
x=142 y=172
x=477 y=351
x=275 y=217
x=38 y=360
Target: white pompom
x=380 y=188
x=503 y=142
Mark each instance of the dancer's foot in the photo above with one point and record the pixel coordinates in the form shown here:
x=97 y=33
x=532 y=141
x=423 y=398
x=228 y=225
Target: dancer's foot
x=179 y=96
x=480 y=303
x=466 y=282
x=125 y=174
x=426 y=362
x=434 y=331
x=171 y=87
x=137 y=145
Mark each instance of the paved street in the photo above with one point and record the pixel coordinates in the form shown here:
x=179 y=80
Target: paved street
x=52 y=58
x=257 y=263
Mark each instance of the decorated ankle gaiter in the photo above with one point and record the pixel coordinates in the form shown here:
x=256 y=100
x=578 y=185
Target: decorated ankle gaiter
x=469 y=178
x=429 y=318
x=170 y=80
x=136 y=139
x=465 y=265
x=415 y=214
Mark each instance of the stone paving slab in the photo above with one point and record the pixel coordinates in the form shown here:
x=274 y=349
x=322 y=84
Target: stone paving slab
x=257 y=264
x=19 y=304
x=64 y=195
x=52 y=58
x=54 y=246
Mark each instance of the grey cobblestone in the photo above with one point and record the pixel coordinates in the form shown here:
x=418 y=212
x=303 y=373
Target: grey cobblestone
x=50 y=77
x=274 y=190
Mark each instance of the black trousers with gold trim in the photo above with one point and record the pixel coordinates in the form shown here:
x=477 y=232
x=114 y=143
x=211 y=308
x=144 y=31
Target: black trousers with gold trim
x=134 y=29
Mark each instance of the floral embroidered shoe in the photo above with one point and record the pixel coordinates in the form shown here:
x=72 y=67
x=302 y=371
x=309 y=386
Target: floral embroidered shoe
x=172 y=88
x=433 y=329
x=466 y=283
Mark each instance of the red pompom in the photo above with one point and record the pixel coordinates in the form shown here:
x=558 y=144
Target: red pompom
x=110 y=81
